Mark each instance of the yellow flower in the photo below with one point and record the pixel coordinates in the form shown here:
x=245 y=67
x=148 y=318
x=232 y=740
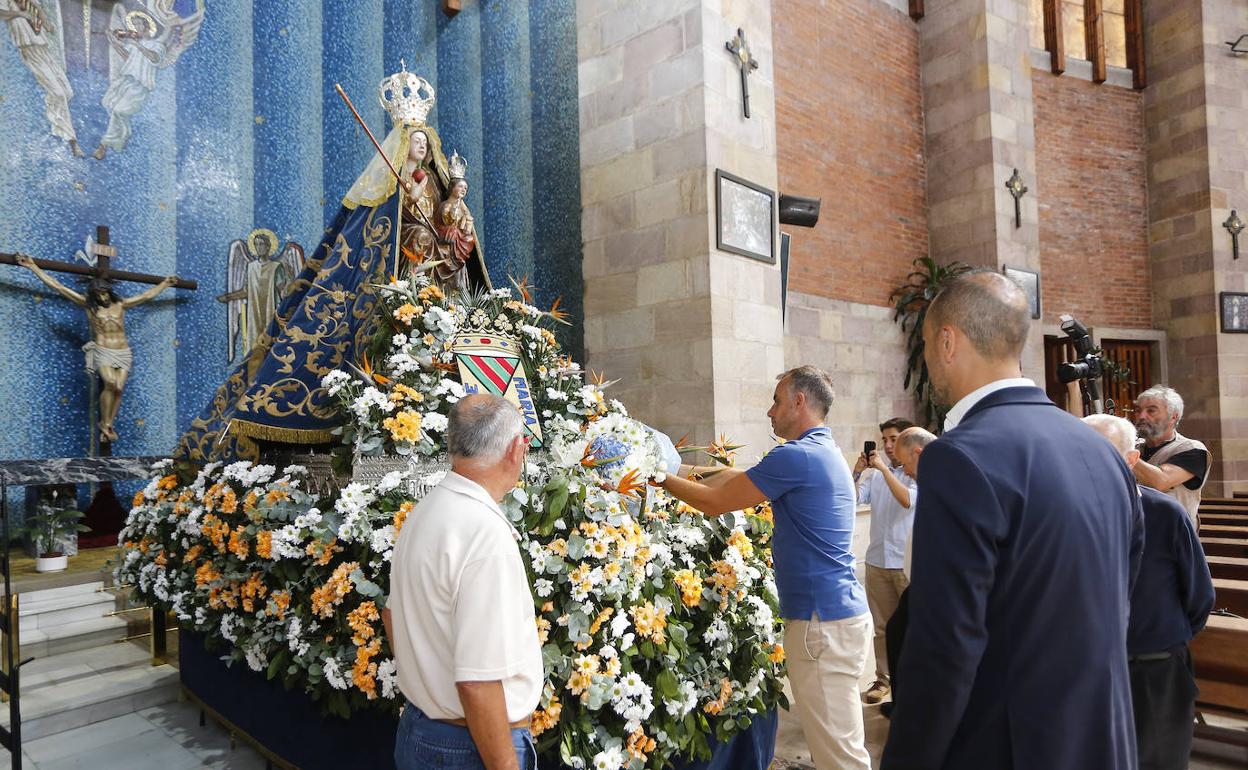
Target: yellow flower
x=402 y=393
x=403 y=426
x=406 y=312
x=429 y=339
x=586 y=664
x=742 y=543
x=650 y=621
x=690 y=587
x=338 y=586
x=558 y=546
x=543 y=630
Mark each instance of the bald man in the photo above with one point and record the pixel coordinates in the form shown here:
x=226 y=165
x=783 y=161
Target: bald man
x=1027 y=536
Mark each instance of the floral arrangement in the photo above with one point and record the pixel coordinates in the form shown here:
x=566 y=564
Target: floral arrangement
x=658 y=624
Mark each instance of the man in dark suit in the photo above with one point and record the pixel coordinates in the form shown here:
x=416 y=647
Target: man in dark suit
x=1027 y=537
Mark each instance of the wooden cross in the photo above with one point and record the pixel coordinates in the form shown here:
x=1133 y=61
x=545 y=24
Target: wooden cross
x=103 y=253
x=745 y=60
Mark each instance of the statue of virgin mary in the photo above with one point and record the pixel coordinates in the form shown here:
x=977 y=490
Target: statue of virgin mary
x=274 y=396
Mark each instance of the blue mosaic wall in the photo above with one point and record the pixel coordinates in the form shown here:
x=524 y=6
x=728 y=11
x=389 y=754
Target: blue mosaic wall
x=245 y=131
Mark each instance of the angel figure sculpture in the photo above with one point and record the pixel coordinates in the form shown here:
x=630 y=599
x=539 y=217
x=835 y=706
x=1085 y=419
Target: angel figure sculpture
x=256 y=281
x=143 y=42
x=108 y=352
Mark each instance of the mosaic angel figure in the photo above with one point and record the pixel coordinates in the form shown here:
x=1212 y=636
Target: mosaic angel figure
x=36 y=30
x=256 y=281
x=142 y=42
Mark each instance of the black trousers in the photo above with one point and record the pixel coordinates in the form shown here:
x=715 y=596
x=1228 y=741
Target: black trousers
x=1163 y=694
x=895 y=634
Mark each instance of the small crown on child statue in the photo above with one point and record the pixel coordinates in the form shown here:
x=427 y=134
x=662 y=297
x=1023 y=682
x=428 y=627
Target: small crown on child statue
x=407 y=97
x=458 y=167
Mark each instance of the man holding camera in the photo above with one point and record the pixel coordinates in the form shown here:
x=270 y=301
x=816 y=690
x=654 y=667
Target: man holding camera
x=1170 y=602
x=890 y=492
x=1170 y=462
x=1027 y=536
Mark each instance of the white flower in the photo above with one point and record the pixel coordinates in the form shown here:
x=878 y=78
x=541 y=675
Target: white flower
x=334 y=381
x=434 y=421
x=387 y=675
x=256 y=659
x=389 y=482
x=543 y=587
x=333 y=675
x=611 y=759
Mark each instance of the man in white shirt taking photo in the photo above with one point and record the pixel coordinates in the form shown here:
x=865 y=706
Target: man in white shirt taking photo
x=885 y=486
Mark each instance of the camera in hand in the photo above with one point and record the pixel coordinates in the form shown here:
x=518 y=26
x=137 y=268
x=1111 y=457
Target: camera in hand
x=1087 y=366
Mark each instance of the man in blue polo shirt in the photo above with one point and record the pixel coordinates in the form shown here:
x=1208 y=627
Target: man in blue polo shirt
x=828 y=628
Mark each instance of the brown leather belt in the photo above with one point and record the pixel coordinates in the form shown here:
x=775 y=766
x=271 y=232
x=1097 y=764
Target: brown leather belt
x=522 y=724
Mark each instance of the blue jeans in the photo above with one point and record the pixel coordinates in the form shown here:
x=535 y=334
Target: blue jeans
x=425 y=743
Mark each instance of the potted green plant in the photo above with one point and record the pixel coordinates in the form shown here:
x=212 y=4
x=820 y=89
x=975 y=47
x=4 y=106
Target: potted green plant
x=50 y=529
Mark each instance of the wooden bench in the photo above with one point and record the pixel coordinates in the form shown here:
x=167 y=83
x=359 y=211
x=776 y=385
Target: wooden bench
x=1222 y=519
x=1220 y=662
x=1229 y=568
x=1224 y=530
x=1231 y=595
x=1224 y=546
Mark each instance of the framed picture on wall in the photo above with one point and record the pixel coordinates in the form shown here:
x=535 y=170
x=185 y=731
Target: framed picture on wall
x=745 y=214
x=1030 y=283
x=1234 y=307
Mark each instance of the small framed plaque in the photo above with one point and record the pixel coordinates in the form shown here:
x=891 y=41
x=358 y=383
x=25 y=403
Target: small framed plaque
x=1030 y=283
x=745 y=215
x=1234 y=307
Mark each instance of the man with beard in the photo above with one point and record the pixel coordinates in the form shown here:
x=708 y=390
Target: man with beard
x=1170 y=462
x=1027 y=537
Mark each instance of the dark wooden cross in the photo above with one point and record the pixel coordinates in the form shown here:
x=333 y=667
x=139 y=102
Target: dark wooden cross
x=1017 y=189
x=746 y=62
x=1234 y=225
x=103 y=253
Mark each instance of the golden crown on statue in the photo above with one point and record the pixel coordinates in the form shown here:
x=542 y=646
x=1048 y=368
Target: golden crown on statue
x=458 y=166
x=407 y=97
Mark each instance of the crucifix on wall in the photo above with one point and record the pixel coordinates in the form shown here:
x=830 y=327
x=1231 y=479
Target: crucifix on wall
x=108 y=352
x=747 y=64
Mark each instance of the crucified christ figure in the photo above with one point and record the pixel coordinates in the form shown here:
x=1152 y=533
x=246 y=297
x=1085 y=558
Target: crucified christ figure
x=108 y=352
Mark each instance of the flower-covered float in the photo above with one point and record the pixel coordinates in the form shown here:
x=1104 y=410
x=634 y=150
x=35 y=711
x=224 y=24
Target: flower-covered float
x=658 y=624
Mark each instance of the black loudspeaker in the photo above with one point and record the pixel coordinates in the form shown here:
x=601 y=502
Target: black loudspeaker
x=800 y=211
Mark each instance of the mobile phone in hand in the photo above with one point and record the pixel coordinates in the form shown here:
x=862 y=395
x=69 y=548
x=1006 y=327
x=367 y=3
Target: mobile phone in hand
x=867 y=448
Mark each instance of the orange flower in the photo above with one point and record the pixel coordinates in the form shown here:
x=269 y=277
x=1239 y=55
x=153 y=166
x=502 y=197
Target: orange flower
x=544 y=719
x=168 y=482
x=630 y=484
x=276 y=495
x=360 y=619
x=400 y=516
x=650 y=621
x=405 y=313
x=326 y=597
x=264 y=544
x=279 y=601
x=138 y=499
x=364 y=672
x=239 y=546
x=690 y=587
x=229 y=501
x=777 y=654
x=717 y=705
x=193 y=553
x=322 y=553
x=639 y=745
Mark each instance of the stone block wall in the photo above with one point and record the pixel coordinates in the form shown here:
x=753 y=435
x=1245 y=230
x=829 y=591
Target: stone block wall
x=693 y=334
x=864 y=352
x=1092 y=176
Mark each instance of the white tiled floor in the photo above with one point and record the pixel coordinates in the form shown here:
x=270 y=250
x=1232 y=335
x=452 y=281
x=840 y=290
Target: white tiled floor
x=160 y=738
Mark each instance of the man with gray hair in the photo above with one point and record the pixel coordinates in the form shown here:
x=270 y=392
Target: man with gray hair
x=460 y=613
x=1170 y=602
x=1170 y=462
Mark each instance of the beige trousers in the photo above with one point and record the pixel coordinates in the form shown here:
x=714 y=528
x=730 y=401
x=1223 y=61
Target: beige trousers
x=884 y=587
x=826 y=659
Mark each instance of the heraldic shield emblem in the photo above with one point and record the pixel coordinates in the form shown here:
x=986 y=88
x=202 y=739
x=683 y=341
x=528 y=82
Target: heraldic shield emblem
x=491 y=364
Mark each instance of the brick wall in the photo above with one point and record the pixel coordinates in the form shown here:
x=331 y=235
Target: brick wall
x=849 y=129
x=1091 y=175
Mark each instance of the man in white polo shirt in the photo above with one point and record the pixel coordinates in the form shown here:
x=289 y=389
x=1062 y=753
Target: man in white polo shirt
x=460 y=613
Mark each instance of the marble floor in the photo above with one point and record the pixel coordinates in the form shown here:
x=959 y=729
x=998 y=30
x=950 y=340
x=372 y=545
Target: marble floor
x=169 y=737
